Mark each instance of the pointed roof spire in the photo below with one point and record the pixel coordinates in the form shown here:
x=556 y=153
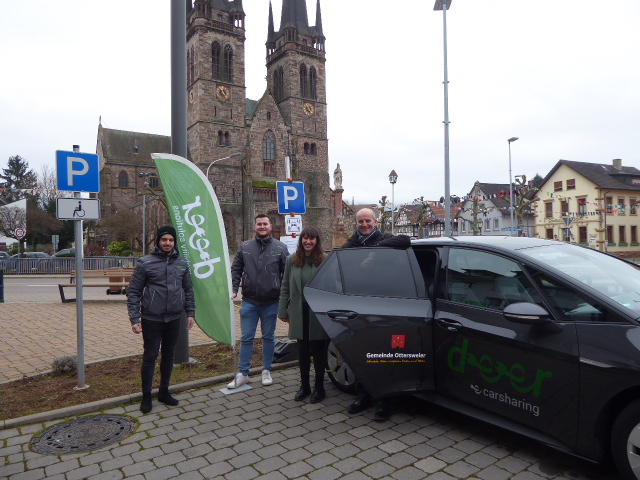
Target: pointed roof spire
x=294 y=14
x=318 y=26
x=271 y=31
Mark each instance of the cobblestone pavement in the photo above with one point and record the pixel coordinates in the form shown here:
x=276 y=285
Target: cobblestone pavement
x=263 y=434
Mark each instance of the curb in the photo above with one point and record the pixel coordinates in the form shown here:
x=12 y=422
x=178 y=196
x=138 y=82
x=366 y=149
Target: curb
x=132 y=398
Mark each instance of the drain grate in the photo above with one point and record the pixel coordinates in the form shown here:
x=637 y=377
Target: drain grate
x=83 y=434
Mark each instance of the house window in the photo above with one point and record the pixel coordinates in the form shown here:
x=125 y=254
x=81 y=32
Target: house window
x=582 y=233
x=496 y=224
x=564 y=204
x=582 y=206
x=154 y=181
x=215 y=61
x=487 y=226
x=549 y=232
x=123 y=179
x=632 y=206
x=610 y=233
x=557 y=186
x=548 y=209
x=621 y=234
x=269 y=147
x=571 y=184
x=620 y=206
x=634 y=234
x=608 y=204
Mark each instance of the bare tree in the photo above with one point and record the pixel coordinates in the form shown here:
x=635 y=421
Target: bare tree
x=12 y=218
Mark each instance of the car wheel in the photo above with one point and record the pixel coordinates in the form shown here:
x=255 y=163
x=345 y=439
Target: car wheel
x=339 y=372
x=625 y=442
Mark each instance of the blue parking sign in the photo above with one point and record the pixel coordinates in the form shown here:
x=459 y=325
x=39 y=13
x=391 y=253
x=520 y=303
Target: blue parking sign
x=78 y=172
x=291 y=197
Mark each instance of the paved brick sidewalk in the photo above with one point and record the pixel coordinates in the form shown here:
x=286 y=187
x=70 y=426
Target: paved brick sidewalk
x=263 y=434
x=34 y=334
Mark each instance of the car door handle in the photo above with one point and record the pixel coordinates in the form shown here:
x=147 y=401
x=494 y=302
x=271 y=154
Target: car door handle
x=450 y=325
x=342 y=314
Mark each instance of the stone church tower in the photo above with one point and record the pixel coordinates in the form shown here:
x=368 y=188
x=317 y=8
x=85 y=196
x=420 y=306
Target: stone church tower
x=249 y=139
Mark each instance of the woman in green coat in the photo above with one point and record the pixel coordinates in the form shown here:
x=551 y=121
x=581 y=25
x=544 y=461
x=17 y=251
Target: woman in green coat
x=303 y=324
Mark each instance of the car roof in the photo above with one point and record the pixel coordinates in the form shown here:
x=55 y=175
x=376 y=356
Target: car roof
x=503 y=242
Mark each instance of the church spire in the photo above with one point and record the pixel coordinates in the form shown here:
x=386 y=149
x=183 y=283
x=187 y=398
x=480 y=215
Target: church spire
x=318 y=25
x=294 y=15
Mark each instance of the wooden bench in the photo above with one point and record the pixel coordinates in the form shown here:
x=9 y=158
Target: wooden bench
x=118 y=279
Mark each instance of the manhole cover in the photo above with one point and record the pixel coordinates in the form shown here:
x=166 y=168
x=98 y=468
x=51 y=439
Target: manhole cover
x=83 y=434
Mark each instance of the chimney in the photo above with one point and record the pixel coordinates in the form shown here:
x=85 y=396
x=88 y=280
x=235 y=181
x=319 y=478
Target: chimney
x=617 y=164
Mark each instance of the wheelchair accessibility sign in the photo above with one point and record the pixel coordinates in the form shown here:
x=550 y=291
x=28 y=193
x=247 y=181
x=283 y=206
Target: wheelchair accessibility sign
x=78 y=209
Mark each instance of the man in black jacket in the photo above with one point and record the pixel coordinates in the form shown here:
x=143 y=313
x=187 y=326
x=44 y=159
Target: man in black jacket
x=259 y=264
x=159 y=291
x=368 y=235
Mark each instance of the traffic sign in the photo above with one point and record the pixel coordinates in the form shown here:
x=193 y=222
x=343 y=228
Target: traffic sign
x=291 y=197
x=293 y=224
x=78 y=209
x=78 y=172
x=20 y=233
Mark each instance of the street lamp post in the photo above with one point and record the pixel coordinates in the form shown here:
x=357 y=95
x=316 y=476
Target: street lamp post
x=144 y=176
x=393 y=178
x=444 y=6
x=512 y=139
x=219 y=160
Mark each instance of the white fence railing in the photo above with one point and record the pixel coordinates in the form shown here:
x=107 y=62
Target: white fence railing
x=61 y=265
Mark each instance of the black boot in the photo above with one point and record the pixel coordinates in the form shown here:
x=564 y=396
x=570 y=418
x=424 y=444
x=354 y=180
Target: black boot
x=318 y=394
x=303 y=393
x=165 y=397
x=147 y=381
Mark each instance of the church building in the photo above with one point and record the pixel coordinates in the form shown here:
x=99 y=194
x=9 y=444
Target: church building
x=242 y=144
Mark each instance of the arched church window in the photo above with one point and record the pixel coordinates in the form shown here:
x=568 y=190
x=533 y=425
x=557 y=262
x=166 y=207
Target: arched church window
x=269 y=147
x=227 y=139
x=215 y=61
x=228 y=63
x=306 y=149
x=303 y=81
x=220 y=137
x=123 y=179
x=313 y=80
x=313 y=149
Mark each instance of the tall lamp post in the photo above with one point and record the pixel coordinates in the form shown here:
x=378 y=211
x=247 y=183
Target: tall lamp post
x=512 y=139
x=144 y=176
x=393 y=178
x=444 y=6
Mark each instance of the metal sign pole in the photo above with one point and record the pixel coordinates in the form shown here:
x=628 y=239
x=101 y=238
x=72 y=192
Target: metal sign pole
x=77 y=225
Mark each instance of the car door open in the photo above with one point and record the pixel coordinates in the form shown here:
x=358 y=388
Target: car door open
x=373 y=305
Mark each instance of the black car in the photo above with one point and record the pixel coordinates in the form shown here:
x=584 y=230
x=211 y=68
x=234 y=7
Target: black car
x=536 y=336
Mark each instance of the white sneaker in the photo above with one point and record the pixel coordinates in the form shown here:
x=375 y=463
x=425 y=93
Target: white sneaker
x=266 y=377
x=239 y=380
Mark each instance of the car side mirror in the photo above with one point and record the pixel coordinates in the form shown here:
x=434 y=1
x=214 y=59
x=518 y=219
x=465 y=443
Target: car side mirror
x=530 y=314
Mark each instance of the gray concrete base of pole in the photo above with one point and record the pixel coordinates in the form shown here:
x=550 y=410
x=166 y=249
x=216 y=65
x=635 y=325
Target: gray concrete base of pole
x=182 y=348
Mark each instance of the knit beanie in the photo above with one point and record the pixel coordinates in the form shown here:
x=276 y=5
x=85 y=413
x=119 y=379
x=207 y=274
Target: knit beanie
x=166 y=230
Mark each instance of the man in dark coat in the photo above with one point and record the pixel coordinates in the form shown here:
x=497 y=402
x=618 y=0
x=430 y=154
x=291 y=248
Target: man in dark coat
x=159 y=291
x=368 y=235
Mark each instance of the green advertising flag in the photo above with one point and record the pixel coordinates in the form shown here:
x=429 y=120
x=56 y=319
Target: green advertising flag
x=202 y=241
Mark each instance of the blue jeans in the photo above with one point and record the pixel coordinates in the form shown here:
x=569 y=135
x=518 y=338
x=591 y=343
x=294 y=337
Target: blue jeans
x=249 y=315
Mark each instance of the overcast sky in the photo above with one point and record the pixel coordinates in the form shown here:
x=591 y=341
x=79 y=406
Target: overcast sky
x=562 y=76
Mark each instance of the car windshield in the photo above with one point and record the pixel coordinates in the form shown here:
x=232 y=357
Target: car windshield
x=611 y=276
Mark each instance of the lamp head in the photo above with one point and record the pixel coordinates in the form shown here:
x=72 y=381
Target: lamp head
x=512 y=139
x=393 y=177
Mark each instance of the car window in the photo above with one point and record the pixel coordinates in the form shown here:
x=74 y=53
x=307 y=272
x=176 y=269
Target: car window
x=572 y=305
x=379 y=272
x=328 y=277
x=486 y=280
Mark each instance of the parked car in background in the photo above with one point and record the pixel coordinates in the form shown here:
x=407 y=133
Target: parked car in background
x=65 y=252
x=28 y=262
x=537 y=336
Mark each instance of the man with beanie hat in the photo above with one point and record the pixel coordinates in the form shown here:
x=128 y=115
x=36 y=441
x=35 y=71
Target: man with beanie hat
x=159 y=291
